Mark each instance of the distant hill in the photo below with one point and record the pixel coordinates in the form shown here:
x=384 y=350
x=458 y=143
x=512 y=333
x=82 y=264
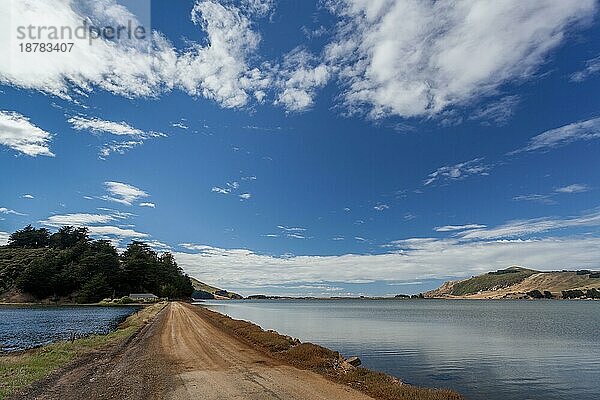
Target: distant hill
x=205 y=291
x=519 y=282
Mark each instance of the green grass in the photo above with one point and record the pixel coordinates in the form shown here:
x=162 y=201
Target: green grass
x=492 y=280
x=20 y=370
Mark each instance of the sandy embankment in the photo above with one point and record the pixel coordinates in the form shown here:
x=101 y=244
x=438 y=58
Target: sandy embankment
x=180 y=355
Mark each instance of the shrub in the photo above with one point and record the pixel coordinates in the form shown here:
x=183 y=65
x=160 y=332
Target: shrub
x=536 y=294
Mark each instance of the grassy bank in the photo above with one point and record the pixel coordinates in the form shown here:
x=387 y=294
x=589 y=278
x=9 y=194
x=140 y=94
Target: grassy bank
x=23 y=368
x=325 y=362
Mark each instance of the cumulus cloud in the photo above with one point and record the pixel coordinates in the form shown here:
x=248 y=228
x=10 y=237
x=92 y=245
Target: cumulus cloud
x=241 y=269
x=19 y=134
x=592 y=67
x=123 y=193
x=458 y=171
x=217 y=70
x=576 y=131
x=424 y=65
x=299 y=77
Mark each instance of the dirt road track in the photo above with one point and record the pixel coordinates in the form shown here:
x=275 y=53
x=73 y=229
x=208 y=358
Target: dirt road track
x=182 y=356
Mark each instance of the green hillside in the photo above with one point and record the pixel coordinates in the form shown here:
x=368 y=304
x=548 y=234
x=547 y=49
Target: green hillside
x=492 y=281
x=205 y=291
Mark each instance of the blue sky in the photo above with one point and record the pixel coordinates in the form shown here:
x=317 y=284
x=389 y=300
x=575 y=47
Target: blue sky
x=323 y=148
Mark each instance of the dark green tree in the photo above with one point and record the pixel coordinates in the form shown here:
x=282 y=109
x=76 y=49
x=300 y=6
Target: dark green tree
x=29 y=237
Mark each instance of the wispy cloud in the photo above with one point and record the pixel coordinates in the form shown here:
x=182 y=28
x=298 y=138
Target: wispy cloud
x=577 y=131
x=453 y=228
x=19 y=134
x=99 y=126
x=148 y=204
x=574 y=188
x=28 y=196
x=4 y=210
x=458 y=171
x=381 y=207
x=498 y=112
x=526 y=227
x=123 y=193
x=592 y=67
x=538 y=198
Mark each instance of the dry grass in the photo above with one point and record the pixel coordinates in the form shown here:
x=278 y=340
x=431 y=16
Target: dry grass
x=22 y=369
x=325 y=362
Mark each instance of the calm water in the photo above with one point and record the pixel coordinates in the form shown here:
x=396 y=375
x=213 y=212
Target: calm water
x=486 y=350
x=23 y=327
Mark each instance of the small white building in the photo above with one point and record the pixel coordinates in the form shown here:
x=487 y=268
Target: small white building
x=143 y=296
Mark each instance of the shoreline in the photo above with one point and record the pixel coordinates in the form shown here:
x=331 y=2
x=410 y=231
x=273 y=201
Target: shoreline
x=24 y=368
x=324 y=361
x=186 y=351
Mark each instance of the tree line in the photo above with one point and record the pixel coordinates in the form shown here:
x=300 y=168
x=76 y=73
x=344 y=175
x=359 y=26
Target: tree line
x=67 y=264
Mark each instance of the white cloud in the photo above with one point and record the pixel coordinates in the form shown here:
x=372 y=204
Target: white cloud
x=97 y=125
x=4 y=210
x=115 y=231
x=452 y=228
x=582 y=130
x=574 y=188
x=259 y=8
x=118 y=147
x=4 y=238
x=539 y=198
x=147 y=204
x=218 y=70
x=458 y=171
x=299 y=77
x=381 y=207
x=498 y=112
x=414 y=260
x=245 y=196
x=123 y=193
x=526 y=227
x=126 y=67
x=220 y=190
x=291 y=228
x=179 y=125
x=18 y=133
x=100 y=126
x=95 y=224
x=592 y=67
x=28 y=196
x=80 y=219
x=425 y=64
